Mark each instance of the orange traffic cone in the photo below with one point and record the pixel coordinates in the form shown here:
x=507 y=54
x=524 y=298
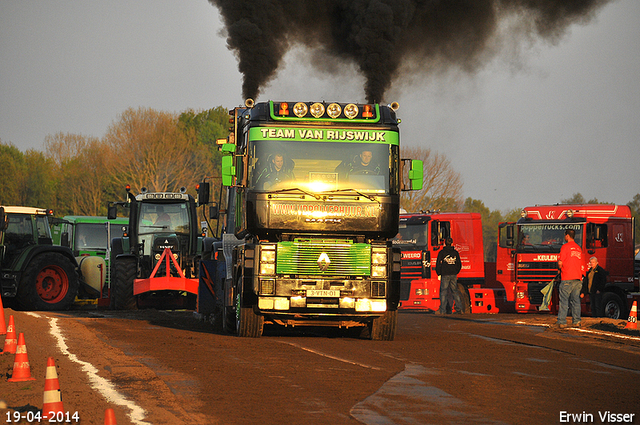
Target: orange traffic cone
x=10 y=341
x=110 y=417
x=3 y=324
x=52 y=401
x=632 y=321
x=21 y=368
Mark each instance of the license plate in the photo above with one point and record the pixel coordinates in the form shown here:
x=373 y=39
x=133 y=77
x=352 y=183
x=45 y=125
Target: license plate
x=317 y=293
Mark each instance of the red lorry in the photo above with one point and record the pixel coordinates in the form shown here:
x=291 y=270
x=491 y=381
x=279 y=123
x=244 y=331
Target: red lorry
x=528 y=252
x=421 y=235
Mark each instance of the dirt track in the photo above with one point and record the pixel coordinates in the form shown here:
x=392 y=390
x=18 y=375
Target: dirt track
x=179 y=371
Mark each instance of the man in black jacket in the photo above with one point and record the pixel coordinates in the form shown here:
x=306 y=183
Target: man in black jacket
x=448 y=266
x=594 y=282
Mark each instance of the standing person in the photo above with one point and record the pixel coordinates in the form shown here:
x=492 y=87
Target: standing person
x=594 y=282
x=448 y=266
x=571 y=265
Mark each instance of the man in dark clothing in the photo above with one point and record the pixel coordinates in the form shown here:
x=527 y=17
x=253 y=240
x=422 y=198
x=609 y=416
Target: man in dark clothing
x=360 y=165
x=448 y=266
x=275 y=172
x=593 y=283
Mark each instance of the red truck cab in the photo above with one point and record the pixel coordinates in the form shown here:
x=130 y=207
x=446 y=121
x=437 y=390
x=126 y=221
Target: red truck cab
x=529 y=249
x=420 y=238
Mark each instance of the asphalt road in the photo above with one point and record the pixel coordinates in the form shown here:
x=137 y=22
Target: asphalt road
x=161 y=367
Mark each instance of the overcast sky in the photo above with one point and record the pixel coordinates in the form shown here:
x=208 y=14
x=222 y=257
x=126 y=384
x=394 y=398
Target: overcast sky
x=563 y=119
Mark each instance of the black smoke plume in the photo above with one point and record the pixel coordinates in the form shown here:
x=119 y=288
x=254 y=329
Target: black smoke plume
x=381 y=35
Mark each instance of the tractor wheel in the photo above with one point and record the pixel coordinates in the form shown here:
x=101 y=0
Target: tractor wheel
x=50 y=282
x=124 y=273
x=383 y=328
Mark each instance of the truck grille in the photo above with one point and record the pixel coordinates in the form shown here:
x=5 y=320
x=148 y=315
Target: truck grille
x=309 y=257
x=536 y=275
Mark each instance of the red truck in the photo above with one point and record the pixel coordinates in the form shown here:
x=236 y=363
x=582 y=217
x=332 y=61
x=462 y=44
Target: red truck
x=528 y=252
x=421 y=235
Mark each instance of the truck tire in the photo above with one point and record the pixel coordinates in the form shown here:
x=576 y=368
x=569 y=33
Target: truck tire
x=50 y=282
x=612 y=306
x=229 y=319
x=248 y=323
x=383 y=328
x=465 y=298
x=124 y=273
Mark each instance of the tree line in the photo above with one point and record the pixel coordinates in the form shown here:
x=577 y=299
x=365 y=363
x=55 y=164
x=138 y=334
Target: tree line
x=164 y=151
x=79 y=175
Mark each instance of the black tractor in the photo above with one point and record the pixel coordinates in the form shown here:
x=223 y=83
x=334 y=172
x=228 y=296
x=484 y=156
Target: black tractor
x=156 y=262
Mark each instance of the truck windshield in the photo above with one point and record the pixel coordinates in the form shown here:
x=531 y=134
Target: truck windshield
x=545 y=237
x=323 y=166
x=94 y=235
x=411 y=236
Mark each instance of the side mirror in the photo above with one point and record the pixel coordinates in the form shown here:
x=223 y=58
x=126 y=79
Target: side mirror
x=64 y=239
x=214 y=211
x=228 y=170
x=203 y=193
x=510 y=236
x=112 y=212
x=416 y=174
x=3 y=219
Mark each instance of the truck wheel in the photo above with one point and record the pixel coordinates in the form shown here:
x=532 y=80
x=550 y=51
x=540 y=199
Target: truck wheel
x=465 y=298
x=124 y=273
x=49 y=283
x=613 y=307
x=383 y=328
x=248 y=323
x=229 y=319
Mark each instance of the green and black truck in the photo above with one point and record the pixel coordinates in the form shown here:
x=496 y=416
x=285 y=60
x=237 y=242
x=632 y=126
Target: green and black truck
x=311 y=204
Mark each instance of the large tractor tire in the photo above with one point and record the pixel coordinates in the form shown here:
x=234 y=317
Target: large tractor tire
x=50 y=282
x=383 y=328
x=124 y=273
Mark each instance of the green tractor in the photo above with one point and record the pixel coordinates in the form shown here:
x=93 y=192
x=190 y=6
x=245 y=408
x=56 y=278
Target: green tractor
x=36 y=275
x=89 y=237
x=156 y=262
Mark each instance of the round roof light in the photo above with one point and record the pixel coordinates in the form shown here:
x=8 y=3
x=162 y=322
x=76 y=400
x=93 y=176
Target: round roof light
x=351 y=111
x=317 y=110
x=300 y=109
x=334 y=110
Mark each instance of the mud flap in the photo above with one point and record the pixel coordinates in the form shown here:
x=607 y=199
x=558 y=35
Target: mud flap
x=210 y=287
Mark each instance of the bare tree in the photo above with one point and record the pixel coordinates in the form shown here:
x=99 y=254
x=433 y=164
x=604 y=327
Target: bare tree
x=442 y=186
x=152 y=151
x=79 y=163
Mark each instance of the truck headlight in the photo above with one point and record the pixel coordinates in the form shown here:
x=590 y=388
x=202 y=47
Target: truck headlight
x=379 y=271
x=267 y=268
x=267 y=260
x=379 y=262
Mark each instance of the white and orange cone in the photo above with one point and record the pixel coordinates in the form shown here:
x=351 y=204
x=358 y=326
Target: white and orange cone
x=10 y=341
x=3 y=324
x=21 y=368
x=632 y=321
x=52 y=400
x=110 y=417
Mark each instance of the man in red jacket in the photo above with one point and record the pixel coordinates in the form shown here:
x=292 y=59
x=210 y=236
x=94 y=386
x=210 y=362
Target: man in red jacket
x=571 y=265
